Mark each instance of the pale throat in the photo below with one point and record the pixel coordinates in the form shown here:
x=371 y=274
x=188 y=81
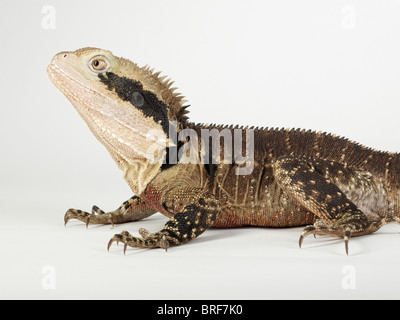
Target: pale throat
x=137 y=151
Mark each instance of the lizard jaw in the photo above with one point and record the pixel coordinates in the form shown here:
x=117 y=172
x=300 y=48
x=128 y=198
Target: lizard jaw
x=137 y=143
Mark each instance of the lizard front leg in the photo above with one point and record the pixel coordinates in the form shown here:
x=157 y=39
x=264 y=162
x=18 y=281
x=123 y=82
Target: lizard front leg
x=338 y=215
x=131 y=210
x=194 y=211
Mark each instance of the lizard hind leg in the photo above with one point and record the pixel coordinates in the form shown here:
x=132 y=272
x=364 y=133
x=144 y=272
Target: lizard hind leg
x=338 y=216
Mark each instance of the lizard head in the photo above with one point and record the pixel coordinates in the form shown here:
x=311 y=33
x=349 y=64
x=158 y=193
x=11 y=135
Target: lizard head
x=128 y=108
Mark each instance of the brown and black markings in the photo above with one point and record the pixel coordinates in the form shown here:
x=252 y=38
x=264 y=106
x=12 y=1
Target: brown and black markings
x=300 y=177
x=144 y=100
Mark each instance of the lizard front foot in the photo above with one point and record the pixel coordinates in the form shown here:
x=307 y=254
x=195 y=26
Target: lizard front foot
x=97 y=216
x=131 y=210
x=148 y=240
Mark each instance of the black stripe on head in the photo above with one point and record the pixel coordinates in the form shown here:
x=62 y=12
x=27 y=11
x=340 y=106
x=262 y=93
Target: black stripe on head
x=143 y=100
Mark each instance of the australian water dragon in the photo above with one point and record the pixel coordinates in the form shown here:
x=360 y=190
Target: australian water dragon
x=197 y=174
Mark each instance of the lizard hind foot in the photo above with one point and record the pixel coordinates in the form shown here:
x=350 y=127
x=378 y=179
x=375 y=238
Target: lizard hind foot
x=321 y=231
x=348 y=224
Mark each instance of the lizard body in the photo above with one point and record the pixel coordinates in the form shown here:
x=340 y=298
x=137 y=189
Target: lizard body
x=288 y=177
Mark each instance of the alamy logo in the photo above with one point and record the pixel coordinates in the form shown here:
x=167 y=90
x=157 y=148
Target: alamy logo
x=349 y=278
x=348 y=17
x=211 y=146
x=49 y=17
x=49 y=277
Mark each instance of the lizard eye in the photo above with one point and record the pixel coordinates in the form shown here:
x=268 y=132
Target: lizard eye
x=137 y=99
x=98 y=64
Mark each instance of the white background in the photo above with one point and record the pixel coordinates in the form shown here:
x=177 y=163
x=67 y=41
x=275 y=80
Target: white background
x=326 y=65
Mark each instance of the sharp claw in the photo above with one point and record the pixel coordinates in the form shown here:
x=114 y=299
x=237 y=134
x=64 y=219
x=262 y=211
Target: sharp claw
x=109 y=244
x=125 y=246
x=113 y=239
x=164 y=243
x=301 y=241
x=87 y=222
x=347 y=236
x=67 y=217
x=305 y=233
x=117 y=238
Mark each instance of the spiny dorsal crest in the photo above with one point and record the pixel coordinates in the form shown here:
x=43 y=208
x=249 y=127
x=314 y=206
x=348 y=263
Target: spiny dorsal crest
x=177 y=110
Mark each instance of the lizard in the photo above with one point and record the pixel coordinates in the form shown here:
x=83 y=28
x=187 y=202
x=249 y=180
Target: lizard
x=331 y=185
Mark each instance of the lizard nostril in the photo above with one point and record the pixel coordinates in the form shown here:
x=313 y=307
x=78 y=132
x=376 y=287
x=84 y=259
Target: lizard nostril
x=65 y=55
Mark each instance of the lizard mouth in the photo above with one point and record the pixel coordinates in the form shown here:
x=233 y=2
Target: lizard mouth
x=58 y=76
x=75 y=89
